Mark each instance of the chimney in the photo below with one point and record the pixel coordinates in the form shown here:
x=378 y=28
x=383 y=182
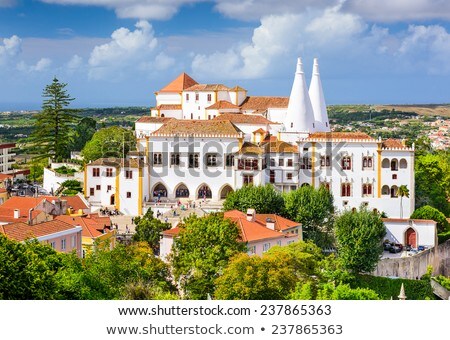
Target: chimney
x=63 y=207
x=251 y=215
x=270 y=223
x=16 y=213
x=30 y=216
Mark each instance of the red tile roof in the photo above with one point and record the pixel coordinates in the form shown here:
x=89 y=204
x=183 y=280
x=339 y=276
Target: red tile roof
x=340 y=135
x=22 y=231
x=252 y=231
x=406 y=220
x=264 y=103
x=93 y=225
x=168 y=107
x=393 y=144
x=148 y=119
x=282 y=147
x=26 y=203
x=7 y=145
x=4 y=177
x=244 y=119
x=182 y=82
x=222 y=104
x=7 y=215
x=208 y=87
x=198 y=127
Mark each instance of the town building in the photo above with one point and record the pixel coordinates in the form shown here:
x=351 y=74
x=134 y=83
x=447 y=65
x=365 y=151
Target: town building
x=411 y=232
x=260 y=232
x=97 y=231
x=203 y=141
x=61 y=236
x=7 y=157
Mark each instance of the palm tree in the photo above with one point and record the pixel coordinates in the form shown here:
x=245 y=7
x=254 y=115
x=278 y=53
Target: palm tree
x=402 y=191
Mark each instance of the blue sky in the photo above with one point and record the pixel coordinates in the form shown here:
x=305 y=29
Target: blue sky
x=118 y=53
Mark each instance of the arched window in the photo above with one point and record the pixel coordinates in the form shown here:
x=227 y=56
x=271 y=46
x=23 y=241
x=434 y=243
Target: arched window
x=367 y=162
x=204 y=192
x=225 y=191
x=346 y=163
x=394 y=190
x=346 y=189
x=162 y=115
x=367 y=189
x=385 y=163
x=385 y=190
x=181 y=191
x=159 y=191
x=403 y=163
x=394 y=164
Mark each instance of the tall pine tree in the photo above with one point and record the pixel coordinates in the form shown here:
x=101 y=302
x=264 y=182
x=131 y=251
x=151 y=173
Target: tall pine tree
x=52 y=129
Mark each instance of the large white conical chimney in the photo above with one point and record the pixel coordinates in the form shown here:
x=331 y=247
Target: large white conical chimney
x=318 y=100
x=300 y=116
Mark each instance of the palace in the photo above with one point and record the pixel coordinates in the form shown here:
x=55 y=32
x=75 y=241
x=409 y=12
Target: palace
x=203 y=141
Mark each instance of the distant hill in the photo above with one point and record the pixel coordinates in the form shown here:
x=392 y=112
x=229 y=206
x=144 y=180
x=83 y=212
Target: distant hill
x=425 y=110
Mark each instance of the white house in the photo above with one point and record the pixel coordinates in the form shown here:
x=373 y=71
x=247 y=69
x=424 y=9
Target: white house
x=411 y=232
x=202 y=141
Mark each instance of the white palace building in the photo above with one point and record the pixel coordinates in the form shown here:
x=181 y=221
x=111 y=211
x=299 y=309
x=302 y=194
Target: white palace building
x=202 y=141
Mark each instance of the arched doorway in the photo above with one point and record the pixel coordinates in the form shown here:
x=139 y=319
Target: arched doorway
x=159 y=190
x=225 y=191
x=112 y=199
x=181 y=191
x=411 y=237
x=305 y=185
x=204 y=192
x=394 y=189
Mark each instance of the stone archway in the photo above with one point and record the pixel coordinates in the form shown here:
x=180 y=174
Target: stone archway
x=411 y=237
x=112 y=199
x=181 y=191
x=204 y=191
x=225 y=191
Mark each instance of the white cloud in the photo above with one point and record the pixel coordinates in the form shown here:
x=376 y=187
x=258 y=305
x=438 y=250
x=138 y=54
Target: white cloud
x=75 y=62
x=10 y=48
x=42 y=65
x=255 y=9
x=399 y=10
x=140 y=9
x=126 y=49
x=280 y=39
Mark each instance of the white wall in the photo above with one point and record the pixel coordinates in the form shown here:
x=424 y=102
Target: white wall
x=425 y=231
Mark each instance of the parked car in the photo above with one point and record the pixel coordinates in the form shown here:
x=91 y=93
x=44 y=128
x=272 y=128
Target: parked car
x=396 y=248
x=387 y=246
x=421 y=248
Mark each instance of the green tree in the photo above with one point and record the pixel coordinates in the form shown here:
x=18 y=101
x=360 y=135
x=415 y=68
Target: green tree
x=149 y=229
x=432 y=180
x=314 y=209
x=71 y=187
x=53 y=125
x=37 y=170
x=402 y=191
x=201 y=251
x=83 y=133
x=113 y=141
x=264 y=199
x=359 y=237
x=271 y=277
x=429 y=213
x=345 y=292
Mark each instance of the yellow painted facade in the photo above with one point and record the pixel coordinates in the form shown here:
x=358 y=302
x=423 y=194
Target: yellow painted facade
x=117 y=194
x=107 y=240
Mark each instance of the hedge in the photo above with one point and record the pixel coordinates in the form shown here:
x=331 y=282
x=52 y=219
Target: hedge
x=387 y=288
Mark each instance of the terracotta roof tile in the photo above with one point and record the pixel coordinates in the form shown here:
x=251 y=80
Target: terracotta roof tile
x=222 y=104
x=4 y=177
x=244 y=119
x=148 y=119
x=393 y=144
x=168 y=107
x=22 y=231
x=405 y=220
x=251 y=148
x=197 y=128
x=340 y=135
x=264 y=103
x=208 y=87
x=7 y=215
x=282 y=147
x=7 y=145
x=93 y=225
x=182 y=82
x=26 y=203
x=110 y=161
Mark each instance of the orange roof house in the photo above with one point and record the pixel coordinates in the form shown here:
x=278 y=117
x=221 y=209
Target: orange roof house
x=181 y=83
x=61 y=236
x=259 y=231
x=96 y=230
